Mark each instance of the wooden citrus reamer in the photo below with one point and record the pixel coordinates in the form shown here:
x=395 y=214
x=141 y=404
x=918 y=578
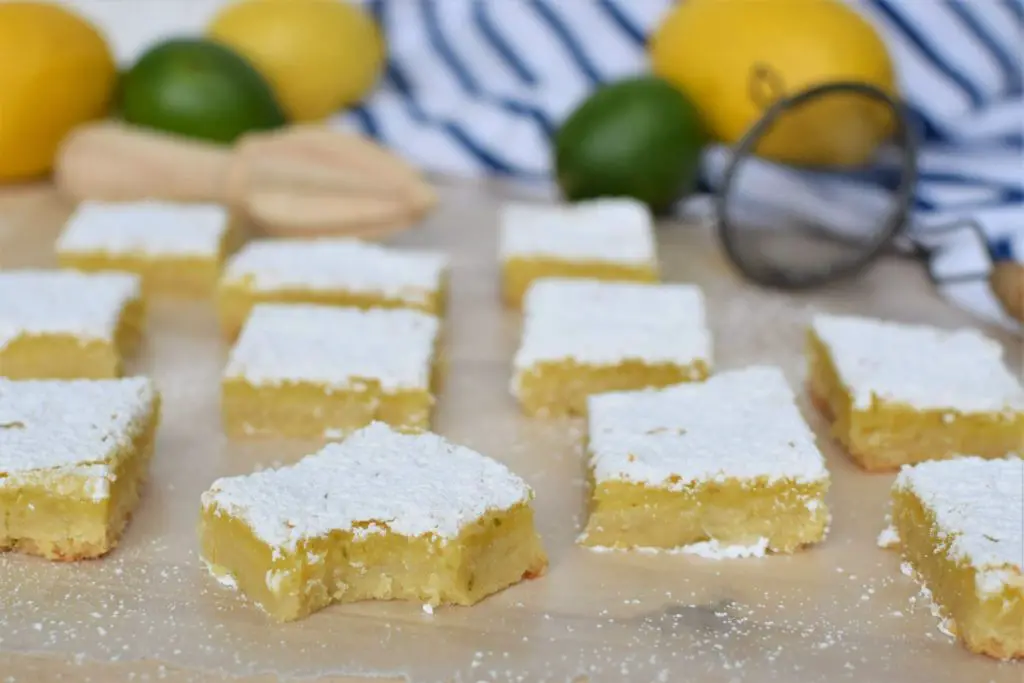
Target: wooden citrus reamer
x=298 y=181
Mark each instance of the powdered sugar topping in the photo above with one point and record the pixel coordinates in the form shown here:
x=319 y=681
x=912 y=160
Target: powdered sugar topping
x=338 y=265
x=605 y=323
x=605 y=230
x=409 y=484
x=87 y=306
x=924 y=367
x=77 y=424
x=335 y=346
x=149 y=228
x=742 y=424
x=978 y=506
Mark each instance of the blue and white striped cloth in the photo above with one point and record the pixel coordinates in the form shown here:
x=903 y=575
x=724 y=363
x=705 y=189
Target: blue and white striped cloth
x=477 y=86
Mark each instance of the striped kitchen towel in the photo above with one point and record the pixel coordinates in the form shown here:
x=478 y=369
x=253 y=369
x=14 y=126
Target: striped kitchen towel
x=478 y=86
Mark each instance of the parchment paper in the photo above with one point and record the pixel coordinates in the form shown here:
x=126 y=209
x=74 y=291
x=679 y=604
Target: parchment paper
x=838 y=612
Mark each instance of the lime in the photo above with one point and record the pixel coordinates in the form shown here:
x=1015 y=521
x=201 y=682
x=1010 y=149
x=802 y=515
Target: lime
x=638 y=138
x=200 y=89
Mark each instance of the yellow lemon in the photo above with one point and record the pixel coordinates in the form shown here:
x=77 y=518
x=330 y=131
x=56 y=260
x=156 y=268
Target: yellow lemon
x=318 y=55
x=56 y=72
x=735 y=57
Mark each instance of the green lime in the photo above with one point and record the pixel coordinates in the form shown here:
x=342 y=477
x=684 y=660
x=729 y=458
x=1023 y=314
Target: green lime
x=200 y=89
x=638 y=138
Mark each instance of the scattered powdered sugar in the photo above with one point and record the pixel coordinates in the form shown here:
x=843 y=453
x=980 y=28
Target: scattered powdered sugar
x=946 y=625
x=925 y=367
x=150 y=228
x=713 y=550
x=409 y=484
x=605 y=323
x=888 y=538
x=70 y=427
x=222 y=577
x=338 y=264
x=87 y=306
x=978 y=505
x=710 y=550
x=335 y=346
x=742 y=424
x=615 y=230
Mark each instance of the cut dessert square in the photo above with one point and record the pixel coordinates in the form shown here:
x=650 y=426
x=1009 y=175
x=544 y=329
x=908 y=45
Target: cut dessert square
x=73 y=457
x=583 y=337
x=381 y=516
x=177 y=249
x=961 y=527
x=63 y=324
x=729 y=461
x=900 y=394
x=341 y=272
x=601 y=239
x=302 y=370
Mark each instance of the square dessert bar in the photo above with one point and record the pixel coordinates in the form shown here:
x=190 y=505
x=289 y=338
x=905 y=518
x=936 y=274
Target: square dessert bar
x=601 y=239
x=583 y=337
x=901 y=394
x=961 y=527
x=380 y=516
x=341 y=272
x=728 y=461
x=73 y=458
x=63 y=324
x=303 y=370
x=177 y=249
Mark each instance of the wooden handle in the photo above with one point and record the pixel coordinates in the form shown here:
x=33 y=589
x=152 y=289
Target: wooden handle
x=309 y=180
x=116 y=162
x=1008 y=283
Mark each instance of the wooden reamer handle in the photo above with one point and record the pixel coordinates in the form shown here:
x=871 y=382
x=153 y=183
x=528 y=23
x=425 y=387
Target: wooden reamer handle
x=114 y=162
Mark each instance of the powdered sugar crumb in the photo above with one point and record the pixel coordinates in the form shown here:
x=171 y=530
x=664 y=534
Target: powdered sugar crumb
x=888 y=538
x=713 y=550
x=710 y=550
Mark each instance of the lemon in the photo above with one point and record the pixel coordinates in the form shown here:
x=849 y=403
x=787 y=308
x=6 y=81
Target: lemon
x=318 y=55
x=56 y=72
x=735 y=57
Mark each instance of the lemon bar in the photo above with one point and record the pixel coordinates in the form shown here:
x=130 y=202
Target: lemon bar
x=729 y=462
x=73 y=458
x=177 y=249
x=583 y=337
x=601 y=239
x=380 y=516
x=64 y=325
x=303 y=370
x=900 y=394
x=961 y=528
x=341 y=272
